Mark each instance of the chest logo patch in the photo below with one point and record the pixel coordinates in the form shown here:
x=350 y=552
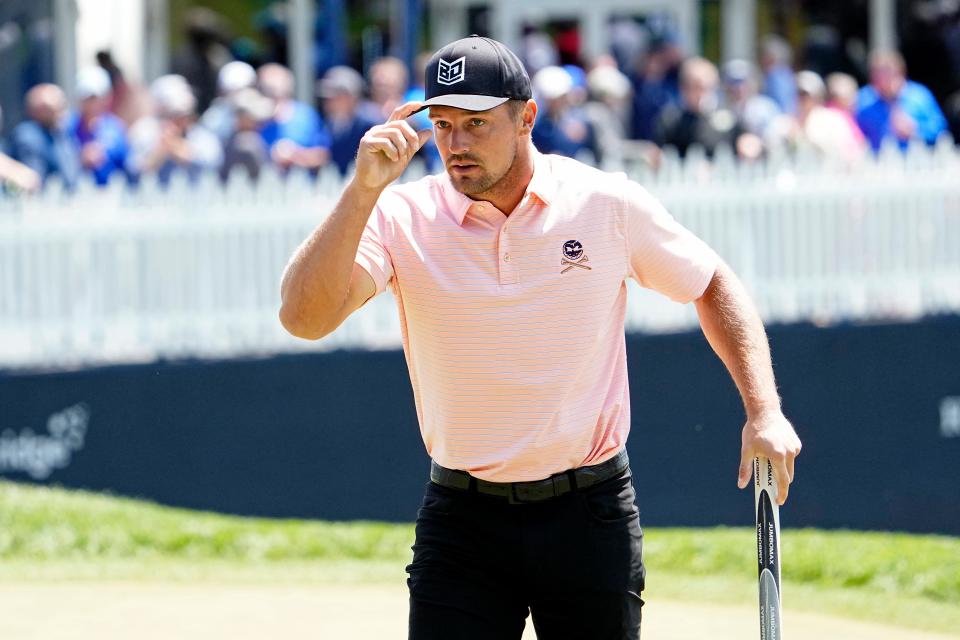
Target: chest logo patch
x=573 y=256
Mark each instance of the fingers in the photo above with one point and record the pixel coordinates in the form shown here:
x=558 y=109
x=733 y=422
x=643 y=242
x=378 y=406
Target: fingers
x=396 y=140
x=783 y=479
x=404 y=111
x=384 y=145
x=746 y=468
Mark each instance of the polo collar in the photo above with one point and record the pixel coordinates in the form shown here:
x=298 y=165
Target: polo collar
x=542 y=186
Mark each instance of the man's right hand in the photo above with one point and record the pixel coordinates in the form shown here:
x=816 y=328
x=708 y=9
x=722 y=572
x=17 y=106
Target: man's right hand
x=386 y=149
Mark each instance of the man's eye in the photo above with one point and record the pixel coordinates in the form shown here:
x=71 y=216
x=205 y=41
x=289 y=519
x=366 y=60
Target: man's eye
x=477 y=122
x=440 y=124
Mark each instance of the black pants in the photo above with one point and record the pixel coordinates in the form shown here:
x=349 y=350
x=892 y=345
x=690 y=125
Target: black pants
x=574 y=562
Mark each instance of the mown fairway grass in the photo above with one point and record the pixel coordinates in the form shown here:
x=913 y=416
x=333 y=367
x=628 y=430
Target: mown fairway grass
x=51 y=534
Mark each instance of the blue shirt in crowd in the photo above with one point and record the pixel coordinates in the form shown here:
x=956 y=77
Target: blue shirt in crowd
x=549 y=135
x=780 y=84
x=304 y=127
x=915 y=100
x=345 y=140
x=48 y=152
x=111 y=134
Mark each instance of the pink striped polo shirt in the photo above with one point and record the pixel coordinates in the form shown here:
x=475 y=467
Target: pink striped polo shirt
x=513 y=326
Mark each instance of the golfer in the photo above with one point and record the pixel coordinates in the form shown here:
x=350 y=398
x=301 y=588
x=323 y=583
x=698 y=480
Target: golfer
x=509 y=270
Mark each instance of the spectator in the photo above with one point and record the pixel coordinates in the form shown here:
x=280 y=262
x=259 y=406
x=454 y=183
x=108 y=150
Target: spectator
x=698 y=120
x=895 y=108
x=778 y=78
x=14 y=175
x=232 y=78
x=656 y=84
x=101 y=136
x=825 y=129
x=171 y=141
x=245 y=146
x=43 y=142
x=206 y=50
x=341 y=89
x=755 y=111
x=560 y=127
x=842 y=92
x=295 y=134
x=607 y=110
x=842 y=98
x=388 y=85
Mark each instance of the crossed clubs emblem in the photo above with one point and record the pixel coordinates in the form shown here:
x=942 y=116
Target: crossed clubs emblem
x=573 y=256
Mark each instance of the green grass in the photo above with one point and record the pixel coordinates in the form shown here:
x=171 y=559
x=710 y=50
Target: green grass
x=52 y=534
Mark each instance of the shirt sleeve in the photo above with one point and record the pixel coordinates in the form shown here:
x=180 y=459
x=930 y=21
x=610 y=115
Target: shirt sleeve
x=372 y=254
x=664 y=255
x=930 y=119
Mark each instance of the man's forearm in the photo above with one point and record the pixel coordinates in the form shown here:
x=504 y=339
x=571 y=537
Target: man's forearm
x=733 y=328
x=316 y=280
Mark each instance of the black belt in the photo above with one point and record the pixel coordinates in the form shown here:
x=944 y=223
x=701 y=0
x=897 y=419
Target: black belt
x=536 y=490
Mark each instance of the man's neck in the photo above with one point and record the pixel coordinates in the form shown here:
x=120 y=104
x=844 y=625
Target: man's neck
x=509 y=191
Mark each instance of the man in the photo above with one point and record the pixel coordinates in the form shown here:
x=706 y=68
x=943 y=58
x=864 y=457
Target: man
x=101 y=136
x=388 y=85
x=221 y=116
x=295 y=135
x=755 y=111
x=823 y=128
x=171 y=141
x=698 y=120
x=15 y=177
x=509 y=271
x=778 y=81
x=561 y=127
x=892 y=107
x=341 y=89
x=43 y=142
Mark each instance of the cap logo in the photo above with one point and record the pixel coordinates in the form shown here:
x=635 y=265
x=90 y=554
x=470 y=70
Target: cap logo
x=451 y=72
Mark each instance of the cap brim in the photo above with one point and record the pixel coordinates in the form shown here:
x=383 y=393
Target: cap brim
x=464 y=101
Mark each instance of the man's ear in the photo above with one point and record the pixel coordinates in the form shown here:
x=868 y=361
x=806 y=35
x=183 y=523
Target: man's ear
x=528 y=116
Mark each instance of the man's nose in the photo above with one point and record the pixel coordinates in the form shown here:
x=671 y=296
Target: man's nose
x=459 y=141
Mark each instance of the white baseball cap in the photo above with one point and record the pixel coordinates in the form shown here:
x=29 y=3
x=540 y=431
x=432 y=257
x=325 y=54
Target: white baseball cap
x=92 y=82
x=234 y=76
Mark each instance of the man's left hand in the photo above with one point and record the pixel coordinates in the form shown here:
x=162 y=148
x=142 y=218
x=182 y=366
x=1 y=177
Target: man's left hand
x=769 y=435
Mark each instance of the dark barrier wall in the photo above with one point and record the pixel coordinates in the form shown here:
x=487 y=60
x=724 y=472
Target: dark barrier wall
x=335 y=435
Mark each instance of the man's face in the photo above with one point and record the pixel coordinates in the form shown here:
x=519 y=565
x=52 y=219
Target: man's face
x=340 y=106
x=887 y=79
x=696 y=92
x=478 y=148
x=92 y=107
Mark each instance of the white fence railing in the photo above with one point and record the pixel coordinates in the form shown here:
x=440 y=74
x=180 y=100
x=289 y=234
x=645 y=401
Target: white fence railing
x=111 y=275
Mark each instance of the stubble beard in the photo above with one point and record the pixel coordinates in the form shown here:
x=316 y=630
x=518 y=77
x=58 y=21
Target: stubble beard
x=486 y=182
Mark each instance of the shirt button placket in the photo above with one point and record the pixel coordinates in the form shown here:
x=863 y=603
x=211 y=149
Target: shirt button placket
x=508 y=269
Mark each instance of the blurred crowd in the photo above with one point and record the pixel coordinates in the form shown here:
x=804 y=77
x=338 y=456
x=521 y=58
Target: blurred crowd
x=216 y=114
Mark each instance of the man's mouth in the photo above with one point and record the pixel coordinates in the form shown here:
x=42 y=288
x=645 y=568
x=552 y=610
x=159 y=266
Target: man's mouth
x=463 y=167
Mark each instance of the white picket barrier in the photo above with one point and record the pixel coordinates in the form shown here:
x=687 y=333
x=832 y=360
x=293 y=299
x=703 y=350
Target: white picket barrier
x=193 y=271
